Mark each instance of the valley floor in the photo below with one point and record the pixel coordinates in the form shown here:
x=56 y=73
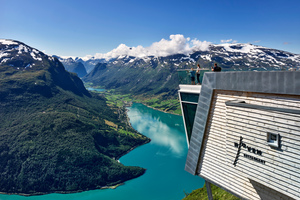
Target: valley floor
x=171 y=105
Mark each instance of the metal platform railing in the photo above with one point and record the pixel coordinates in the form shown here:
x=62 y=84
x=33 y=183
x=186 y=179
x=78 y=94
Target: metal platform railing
x=184 y=76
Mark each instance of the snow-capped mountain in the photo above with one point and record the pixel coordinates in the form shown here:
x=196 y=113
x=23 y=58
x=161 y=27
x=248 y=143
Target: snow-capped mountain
x=229 y=56
x=158 y=75
x=246 y=57
x=249 y=57
x=27 y=69
x=20 y=55
x=16 y=53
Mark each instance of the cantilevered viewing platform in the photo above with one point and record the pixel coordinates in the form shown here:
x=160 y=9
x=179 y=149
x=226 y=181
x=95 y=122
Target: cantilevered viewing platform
x=243 y=131
x=188 y=96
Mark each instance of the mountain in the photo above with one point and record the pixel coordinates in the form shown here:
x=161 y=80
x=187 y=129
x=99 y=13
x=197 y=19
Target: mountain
x=246 y=57
x=88 y=64
x=158 y=75
x=72 y=66
x=55 y=136
x=150 y=76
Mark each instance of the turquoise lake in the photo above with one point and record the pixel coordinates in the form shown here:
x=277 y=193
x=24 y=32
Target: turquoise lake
x=164 y=158
x=95 y=89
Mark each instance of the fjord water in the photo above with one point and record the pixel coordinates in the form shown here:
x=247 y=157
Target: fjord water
x=164 y=158
x=96 y=89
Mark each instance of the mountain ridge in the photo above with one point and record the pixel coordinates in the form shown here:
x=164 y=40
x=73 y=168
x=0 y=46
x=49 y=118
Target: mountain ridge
x=73 y=66
x=225 y=48
x=158 y=75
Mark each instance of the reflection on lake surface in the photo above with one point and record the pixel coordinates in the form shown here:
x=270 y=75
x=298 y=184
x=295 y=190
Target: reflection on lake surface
x=164 y=158
x=161 y=128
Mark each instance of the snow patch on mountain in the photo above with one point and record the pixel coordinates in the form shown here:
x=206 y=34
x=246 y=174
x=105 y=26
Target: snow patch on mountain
x=3 y=54
x=295 y=58
x=21 y=48
x=10 y=49
x=8 y=42
x=35 y=57
x=241 y=48
x=4 y=60
x=206 y=57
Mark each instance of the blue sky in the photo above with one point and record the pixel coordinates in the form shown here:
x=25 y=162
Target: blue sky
x=87 y=27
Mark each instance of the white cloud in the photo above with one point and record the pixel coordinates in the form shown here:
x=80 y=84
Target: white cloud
x=229 y=41
x=226 y=41
x=177 y=44
x=200 y=46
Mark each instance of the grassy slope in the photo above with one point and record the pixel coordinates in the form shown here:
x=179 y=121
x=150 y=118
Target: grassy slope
x=170 y=105
x=218 y=194
x=52 y=139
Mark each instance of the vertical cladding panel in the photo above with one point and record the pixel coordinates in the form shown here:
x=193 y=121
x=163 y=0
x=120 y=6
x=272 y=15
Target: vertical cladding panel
x=259 y=168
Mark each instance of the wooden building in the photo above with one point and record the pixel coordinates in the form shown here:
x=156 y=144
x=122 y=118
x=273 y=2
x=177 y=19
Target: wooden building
x=244 y=136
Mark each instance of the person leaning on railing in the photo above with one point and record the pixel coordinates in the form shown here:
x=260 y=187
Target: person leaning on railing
x=192 y=73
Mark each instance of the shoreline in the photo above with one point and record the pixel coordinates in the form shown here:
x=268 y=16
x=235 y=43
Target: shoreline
x=132 y=148
x=97 y=188
x=62 y=192
x=129 y=124
x=128 y=104
x=159 y=109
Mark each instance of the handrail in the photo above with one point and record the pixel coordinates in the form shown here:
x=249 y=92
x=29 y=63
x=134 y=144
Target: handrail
x=185 y=79
x=201 y=69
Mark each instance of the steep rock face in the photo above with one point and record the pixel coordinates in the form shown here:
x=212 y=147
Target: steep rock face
x=73 y=66
x=54 y=135
x=79 y=69
x=158 y=75
x=89 y=64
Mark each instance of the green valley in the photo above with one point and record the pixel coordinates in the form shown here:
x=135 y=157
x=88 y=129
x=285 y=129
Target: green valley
x=118 y=99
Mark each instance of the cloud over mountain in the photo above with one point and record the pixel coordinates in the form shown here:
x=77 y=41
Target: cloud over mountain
x=229 y=41
x=176 y=44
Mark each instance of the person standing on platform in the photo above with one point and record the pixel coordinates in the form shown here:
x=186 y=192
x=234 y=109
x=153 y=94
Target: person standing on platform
x=198 y=74
x=216 y=68
x=192 y=73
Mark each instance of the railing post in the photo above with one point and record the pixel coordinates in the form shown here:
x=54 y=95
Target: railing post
x=208 y=189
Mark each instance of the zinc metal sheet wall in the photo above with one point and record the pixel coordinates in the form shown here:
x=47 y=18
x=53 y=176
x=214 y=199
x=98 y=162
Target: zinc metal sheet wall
x=250 y=179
